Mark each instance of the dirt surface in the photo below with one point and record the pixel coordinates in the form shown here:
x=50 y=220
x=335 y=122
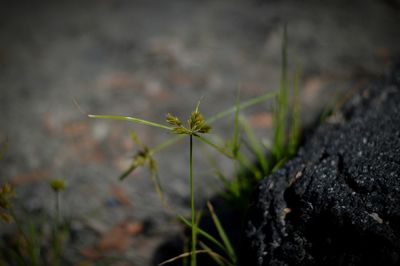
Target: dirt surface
x=337 y=202
x=147 y=58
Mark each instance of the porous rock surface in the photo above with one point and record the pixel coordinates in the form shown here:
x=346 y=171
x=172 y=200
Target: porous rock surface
x=338 y=201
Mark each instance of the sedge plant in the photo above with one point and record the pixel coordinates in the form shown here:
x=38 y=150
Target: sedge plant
x=27 y=250
x=285 y=142
x=196 y=126
x=57 y=185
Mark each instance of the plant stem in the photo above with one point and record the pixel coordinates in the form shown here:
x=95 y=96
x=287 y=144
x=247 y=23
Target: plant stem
x=56 y=233
x=32 y=250
x=215 y=146
x=131 y=119
x=194 y=227
x=58 y=210
x=243 y=105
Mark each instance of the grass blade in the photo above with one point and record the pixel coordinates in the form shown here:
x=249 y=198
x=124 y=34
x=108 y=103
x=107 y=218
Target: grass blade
x=215 y=146
x=243 y=105
x=203 y=233
x=280 y=112
x=131 y=119
x=295 y=119
x=157 y=182
x=181 y=256
x=255 y=146
x=220 y=260
x=235 y=145
x=222 y=234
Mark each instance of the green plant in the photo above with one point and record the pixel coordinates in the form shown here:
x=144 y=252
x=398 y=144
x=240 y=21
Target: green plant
x=57 y=185
x=29 y=240
x=285 y=142
x=196 y=125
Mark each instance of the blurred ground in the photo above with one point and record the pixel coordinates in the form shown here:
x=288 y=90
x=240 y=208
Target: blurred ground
x=147 y=58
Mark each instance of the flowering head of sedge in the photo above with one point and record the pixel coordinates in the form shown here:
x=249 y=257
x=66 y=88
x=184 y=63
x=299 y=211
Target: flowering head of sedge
x=196 y=124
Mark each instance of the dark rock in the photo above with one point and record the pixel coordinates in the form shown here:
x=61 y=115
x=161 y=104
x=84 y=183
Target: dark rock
x=338 y=201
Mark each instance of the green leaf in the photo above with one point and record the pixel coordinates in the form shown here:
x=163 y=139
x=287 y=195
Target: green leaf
x=236 y=143
x=131 y=119
x=255 y=146
x=202 y=232
x=222 y=234
x=294 y=137
x=220 y=260
x=281 y=108
x=243 y=105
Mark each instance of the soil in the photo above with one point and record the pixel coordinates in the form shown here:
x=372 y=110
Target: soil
x=147 y=58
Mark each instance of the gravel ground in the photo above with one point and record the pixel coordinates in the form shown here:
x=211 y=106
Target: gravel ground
x=147 y=58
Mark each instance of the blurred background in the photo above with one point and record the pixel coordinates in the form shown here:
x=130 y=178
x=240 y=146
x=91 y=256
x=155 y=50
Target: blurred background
x=145 y=59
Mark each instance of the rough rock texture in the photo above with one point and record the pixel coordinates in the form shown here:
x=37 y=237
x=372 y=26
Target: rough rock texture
x=338 y=201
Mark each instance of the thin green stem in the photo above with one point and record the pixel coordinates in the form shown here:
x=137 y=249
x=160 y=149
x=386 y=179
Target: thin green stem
x=215 y=146
x=194 y=227
x=243 y=105
x=166 y=143
x=203 y=233
x=255 y=146
x=32 y=250
x=58 y=210
x=131 y=119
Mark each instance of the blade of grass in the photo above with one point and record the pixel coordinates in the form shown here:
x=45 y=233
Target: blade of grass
x=279 y=164
x=220 y=260
x=156 y=181
x=203 y=233
x=255 y=146
x=181 y=256
x=166 y=144
x=249 y=165
x=243 y=105
x=222 y=234
x=131 y=119
x=215 y=146
x=280 y=113
x=295 y=119
x=235 y=145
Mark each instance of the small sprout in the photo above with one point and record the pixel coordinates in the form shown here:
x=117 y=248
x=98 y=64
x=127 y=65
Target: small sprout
x=6 y=194
x=57 y=185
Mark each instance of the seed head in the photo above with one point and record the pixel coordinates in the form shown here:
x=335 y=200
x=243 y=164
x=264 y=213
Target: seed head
x=57 y=185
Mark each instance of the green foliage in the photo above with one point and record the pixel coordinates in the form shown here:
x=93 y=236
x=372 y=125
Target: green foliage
x=281 y=107
x=294 y=137
x=286 y=126
x=28 y=246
